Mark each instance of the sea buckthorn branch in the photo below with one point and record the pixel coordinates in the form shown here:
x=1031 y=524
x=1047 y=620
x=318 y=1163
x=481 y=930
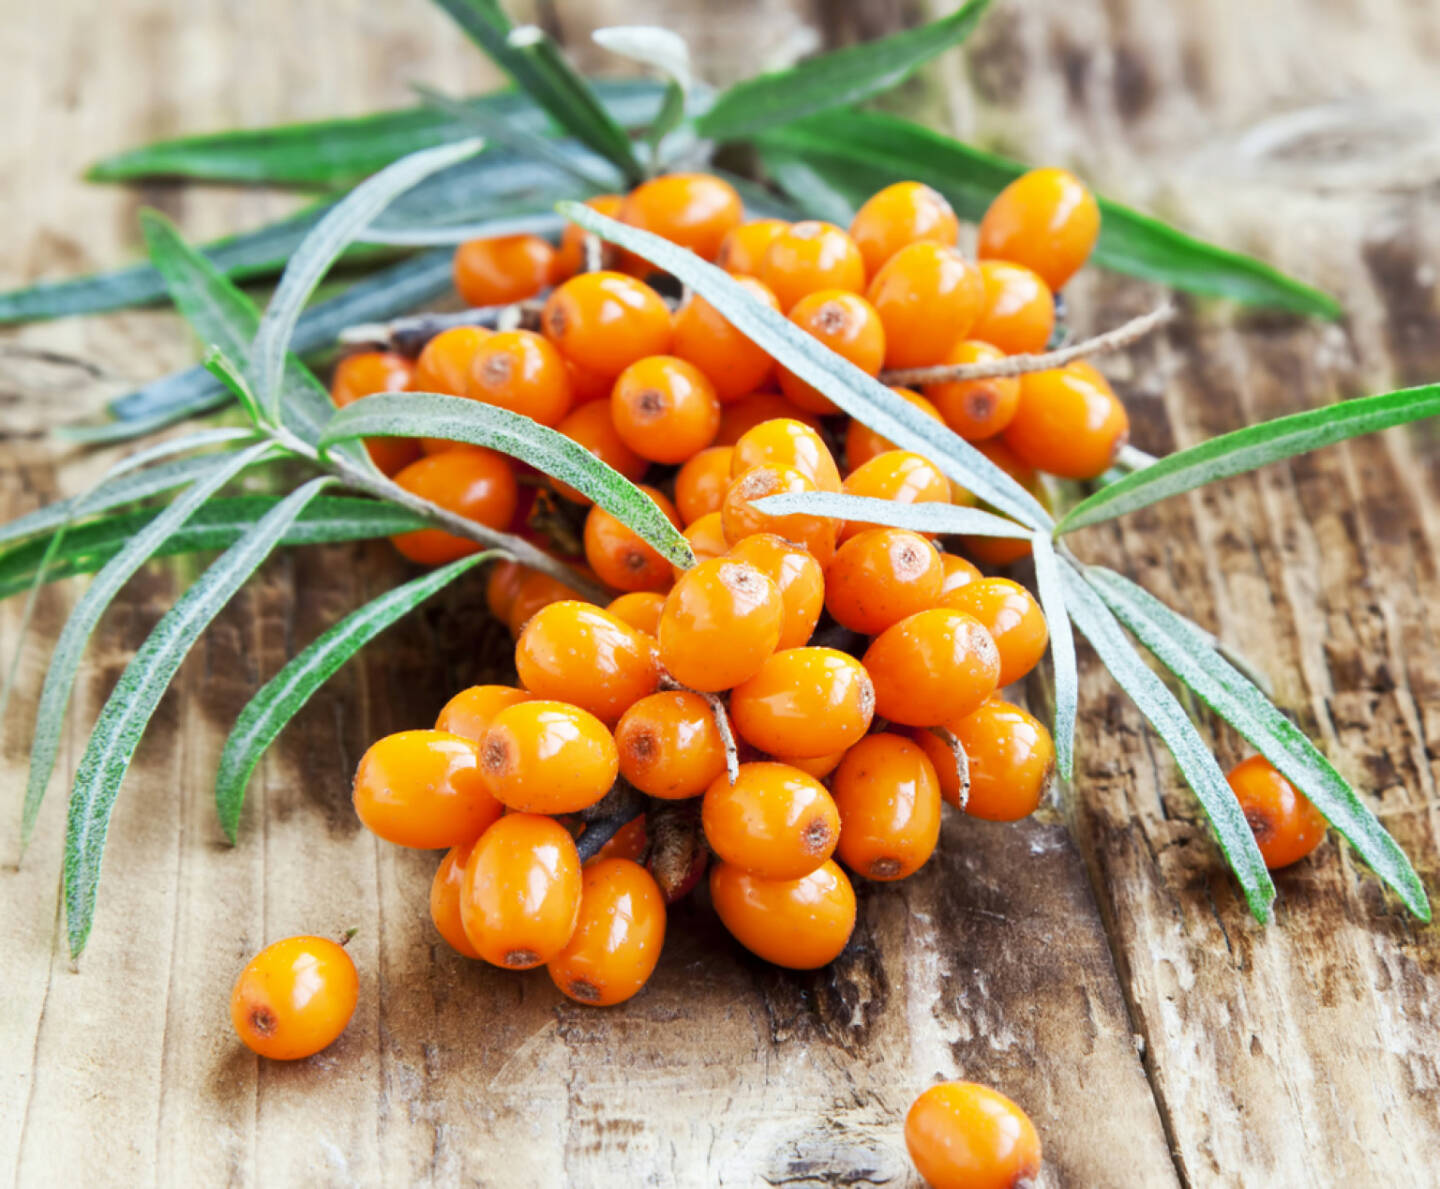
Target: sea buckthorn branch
x=962 y=760
x=678 y=850
x=1020 y=365
x=409 y=335
x=607 y=817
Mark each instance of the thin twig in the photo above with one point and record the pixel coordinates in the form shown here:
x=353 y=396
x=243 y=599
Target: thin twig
x=1019 y=365
x=962 y=761
x=409 y=335
x=722 y=724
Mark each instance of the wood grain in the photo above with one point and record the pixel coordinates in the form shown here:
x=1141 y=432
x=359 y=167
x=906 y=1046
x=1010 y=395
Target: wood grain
x=1094 y=962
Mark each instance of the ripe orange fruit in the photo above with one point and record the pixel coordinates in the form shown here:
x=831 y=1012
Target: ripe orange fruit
x=862 y=443
x=1046 y=220
x=880 y=576
x=591 y=426
x=501 y=269
x=670 y=746
x=579 y=653
x=787 y=442
x=365 y=374
x=294 y=998
x=888 y=796
x=520 y=896
x=731 y=362
x=932 y=667
x=740 y=519
x=640 y=609
x=469 y=712
x=1286 y=826
x=965 y=1136
x=521 y=371
x=570 y=258
x=605 y=321
x=847 y=324
x=901 y=214
x=1011 y=616
x=1069 y=422
x=774 y=821
x=547 y=757
x=740 y=415
x=745 y=246
x=721 y=620
x=665 y=409
x=469 y=481
x=695 y=210
x=798 y=923
x=976 y=409
x=1011 y=759
x=809 y=256
x=423 y=789
x=700 y=485
x=620 y=556
x=617 y=938
x=445 y=900
x=805 y=702
x=900 y=476
x=928 y=297
x=798 y=577
x=1018 y=315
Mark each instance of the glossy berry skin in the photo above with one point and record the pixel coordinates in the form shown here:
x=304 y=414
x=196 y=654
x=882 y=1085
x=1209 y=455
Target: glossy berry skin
x=445 y=361
x=365 y=374
x=899 y=215
x=1011 y=758
x=469 y=712
x=535 y=591
x=665 y=409
x=445 y=900
x=705 y=337
x=579 y=653
x=862 y=443
x=520 y=897
x=707 y=539
x=805 y=702
x=749 y=411
x=502 y=585
x=640 y=609
x=470 y=481
x=1011 y=616
x=1286 y=826
x=956 y=572
x=740 y=519
x=670 y=746
x=888 y=796
x=1069 y=422
x=1018 y=314
x=744 y=247
x=605 y=321
x=817 y=766
x=521 y=371
x=845 y=323
x=695 y=210
x=620 y=556
x=976 y=409
x=901 y=476
x=424 y=789
x=591 y=426
x=966 y=1136
x=927 y=296
x=502 y=269
x=880 y=576
x=774 y=821
x=617 y=938
x=810 y=256
x=1046 y=220
x=798 y=577
x=721 y=620
x=701 y=483
x=800 y=923
x=932 y=667
x=547 y=757
x=294 y=998
x=790 y=443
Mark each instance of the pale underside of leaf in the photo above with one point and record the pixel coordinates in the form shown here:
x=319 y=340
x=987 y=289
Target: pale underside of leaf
x=921 y=518
x=1051 y=588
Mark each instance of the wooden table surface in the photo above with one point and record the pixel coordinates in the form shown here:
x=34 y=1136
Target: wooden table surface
x=1094 y=962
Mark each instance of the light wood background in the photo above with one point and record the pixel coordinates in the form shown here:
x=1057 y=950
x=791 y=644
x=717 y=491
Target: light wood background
x=1094 y=962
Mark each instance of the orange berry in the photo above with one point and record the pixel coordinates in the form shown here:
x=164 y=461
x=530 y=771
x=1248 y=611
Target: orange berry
x=592 y=427
x=741 y=415
x=445 y=900
x=1069 y=422
x=901 y=476
x=423 y=789
x=862 y=443
x=818 y=766
x=587 y=386
x=523 y=372
x=901 y=214
x=469 y=712
x=1018 y=315
x=630 y=841
x=705 y=337
x=789 y=443
x=927 y=297
x=800 y=923
x=294 y=998
x=965 y=1136
x=618 y=935
x=798 y=577
x=847 y=324
x=889 y=801
x=620 y=556
x=670 y=745
x=932 y=667
x=445 y=361
x=547 y=757
x=1013 y=618
x=520 y=897
x=469 y=481
x=502 y=586
x=721 y=620
x=1286 y=826
x=1046 y=220
x=605 y=321
x=740 y=519
x=744 y=247
x=535 y=591
x=1002 y=551
x=665 y=409
x=694 y=210
x=570 y=258
x=810 y=256
x=700 y=485
x=957 y=572
x=773 y=821
x=1011 y=759
x=578 y=653
x=501 y=269
x=976 y=409
x=640 y=609
x=707 y=539
x=806 y=702
x=365 y=374
x=879 y=577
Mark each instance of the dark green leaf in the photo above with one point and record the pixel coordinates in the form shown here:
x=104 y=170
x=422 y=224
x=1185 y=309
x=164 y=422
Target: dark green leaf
x=1252 y=447
x=835 y=79
x=435 y=415
x=287 y=692
x=1062 y=650
x=920 y=518
x=858 y=153
x=1194 y=758
x=132 y=702
x=862 y=396
x=1183 y=649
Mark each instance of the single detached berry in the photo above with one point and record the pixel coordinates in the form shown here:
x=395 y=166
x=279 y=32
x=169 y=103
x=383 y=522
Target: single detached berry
x=294 y=997
x=965 y=1136
x=1286 y=826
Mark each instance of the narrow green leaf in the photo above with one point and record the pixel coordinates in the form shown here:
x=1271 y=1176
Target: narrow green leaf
x=810 y=188
x=435 y=415
x=662 y=50
x=860 y=152
x=920 y=518
x=1252 y=447
x=835 y=79
x=219 y=365
x=858 y=394
x=70 y=647
x=282 y=697
x=1192 y=756
x=132 y=703
x=340 y=227
x=1062 y=650
x=1183 y=649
